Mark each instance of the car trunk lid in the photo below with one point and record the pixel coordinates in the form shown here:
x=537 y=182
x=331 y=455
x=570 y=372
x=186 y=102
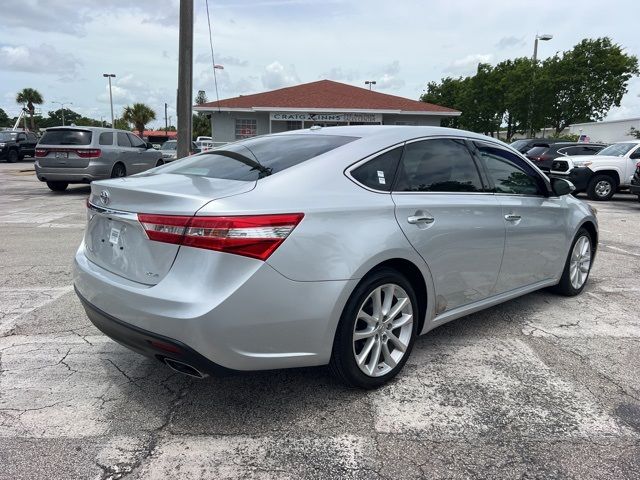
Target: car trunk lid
x=115 y=239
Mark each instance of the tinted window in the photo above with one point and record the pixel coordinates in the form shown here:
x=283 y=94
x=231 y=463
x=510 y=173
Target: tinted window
x=106 y=138
x=32 y=137
x=537 y=151
x=7 y=136
x=66 y=137
x=441 y=165
x=123 y=140
x=136 y=141
x=570 y=151
x=257 y=157
x=22 y=137
x=507 y=172
x=590 y=150
x=379 y=172
x=170 y=145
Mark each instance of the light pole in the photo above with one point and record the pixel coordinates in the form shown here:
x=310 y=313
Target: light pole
x=370 y=83
x=109 y=76
x=544 y=37
x=62 y=104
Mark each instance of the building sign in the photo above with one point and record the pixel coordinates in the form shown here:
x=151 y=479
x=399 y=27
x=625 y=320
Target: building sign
x=327 y=117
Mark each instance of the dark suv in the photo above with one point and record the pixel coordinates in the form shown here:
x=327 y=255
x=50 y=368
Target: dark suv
x=543 y=153
x=525 y=144
x=635 y=182
x=15 y=145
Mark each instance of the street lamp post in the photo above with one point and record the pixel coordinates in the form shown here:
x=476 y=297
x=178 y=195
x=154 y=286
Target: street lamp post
x=370 y=83
x=62 y=104
x=110 y=76
x=544 y=37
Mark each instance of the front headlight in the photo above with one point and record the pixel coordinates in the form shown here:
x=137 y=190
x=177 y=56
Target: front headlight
x=582 y=163
x=2 y=144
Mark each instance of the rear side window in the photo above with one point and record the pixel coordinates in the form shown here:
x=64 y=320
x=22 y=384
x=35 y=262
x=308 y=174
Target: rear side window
x=123 y=140
x=537 y=151
x=66 y=137
x=106 y=138
x=255 y=158
x=136 y=141
x=440 y=165
x=379 y=172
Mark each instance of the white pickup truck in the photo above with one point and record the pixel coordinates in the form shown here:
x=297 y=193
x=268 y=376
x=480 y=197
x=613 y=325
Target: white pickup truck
x=603 y=174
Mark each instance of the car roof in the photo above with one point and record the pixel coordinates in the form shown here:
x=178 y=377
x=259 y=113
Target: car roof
x=93 y=129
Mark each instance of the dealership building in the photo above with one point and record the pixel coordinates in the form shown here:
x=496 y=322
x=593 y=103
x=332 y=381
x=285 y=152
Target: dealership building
x=325 y=103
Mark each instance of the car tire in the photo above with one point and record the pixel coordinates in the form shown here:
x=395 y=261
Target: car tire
x=575 y=264
x=57 y=186
x=12 y=156
x=159 y=163
x=118 y=171
x=601 y=188
x=382 y=349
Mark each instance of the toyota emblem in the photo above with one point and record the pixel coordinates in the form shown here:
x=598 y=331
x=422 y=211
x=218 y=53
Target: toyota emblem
x=104 y=197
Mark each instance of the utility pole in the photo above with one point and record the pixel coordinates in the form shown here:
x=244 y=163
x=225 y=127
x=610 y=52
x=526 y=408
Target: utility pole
x=166 y=125
x=185 y=77
x=545 y=37
x=110 y=76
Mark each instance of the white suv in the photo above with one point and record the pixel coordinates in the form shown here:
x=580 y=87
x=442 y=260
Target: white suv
x=603 y=174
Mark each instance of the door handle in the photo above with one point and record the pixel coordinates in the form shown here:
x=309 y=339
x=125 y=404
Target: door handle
x=420 y=219
x=510 y=217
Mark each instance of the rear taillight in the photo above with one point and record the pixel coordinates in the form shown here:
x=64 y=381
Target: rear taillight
x=256 y=236
x=41 y=152
x=638 y=165
x=89 y=153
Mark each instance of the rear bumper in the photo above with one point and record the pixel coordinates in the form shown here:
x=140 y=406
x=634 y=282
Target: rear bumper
x=245 y=318
x=635 y=189
x=94 y=171
x=579 y=176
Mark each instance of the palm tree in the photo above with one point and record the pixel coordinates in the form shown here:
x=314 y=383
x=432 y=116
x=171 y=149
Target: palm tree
x=31 y=97
x=139 y=115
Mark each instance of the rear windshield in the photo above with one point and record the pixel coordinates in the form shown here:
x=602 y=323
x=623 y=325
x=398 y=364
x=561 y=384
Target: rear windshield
x=536 y=151
x=258 y=157
x=617 y=149
x=66 y=137
x=519 y=144
x=169 y=146
x=8 y=136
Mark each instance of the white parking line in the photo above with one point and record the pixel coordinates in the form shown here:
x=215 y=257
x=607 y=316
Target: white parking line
x=621 y=250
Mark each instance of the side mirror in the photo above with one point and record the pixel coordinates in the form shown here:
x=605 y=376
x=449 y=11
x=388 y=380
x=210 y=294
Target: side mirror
x=561 y=187
x=148 y=145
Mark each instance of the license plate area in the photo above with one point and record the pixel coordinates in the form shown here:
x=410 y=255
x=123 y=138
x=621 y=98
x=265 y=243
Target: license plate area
x=61 y=154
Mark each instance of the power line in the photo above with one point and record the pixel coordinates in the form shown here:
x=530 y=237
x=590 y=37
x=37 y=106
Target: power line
x=213 y=59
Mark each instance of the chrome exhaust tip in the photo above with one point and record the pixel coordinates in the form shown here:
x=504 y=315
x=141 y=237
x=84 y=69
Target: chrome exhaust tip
x=183 y=368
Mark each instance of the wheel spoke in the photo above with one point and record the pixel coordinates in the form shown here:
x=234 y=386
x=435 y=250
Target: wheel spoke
x=397 y=308
x=375 y=356
x=376 y=299
x=397 y=342
x=389 y=290
x=362 y=356
x=362 y=334
x=362 y=315
x=402 y=321
x=388 y=359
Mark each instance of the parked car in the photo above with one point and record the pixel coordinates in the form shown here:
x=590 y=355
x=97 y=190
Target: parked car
x=204 y=139
x=543 y=154
x=600 y=175
x=204 y=145
x=525 y=144
x=635 y=182
x=169 y=150
x=67 y=155
x=330 y=246
x=15 y=145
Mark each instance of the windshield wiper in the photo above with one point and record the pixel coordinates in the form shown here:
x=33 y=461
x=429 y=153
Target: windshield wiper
x=254 y=164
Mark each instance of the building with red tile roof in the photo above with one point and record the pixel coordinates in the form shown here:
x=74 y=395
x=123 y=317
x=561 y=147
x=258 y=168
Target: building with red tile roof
x=324 y=102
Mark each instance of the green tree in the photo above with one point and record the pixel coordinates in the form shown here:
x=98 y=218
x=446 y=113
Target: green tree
x=138 y=115
x=584 y=83
x=634 y=132
x=4 y=118
x=448 y=94
x=30 y=97
x=201 y=124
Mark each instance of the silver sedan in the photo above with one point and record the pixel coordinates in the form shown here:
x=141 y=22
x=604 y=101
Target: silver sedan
x=330 y=246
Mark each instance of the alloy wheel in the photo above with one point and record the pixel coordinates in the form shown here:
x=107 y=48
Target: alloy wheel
x=580 y=262
x=603 y=188
x=382 y=331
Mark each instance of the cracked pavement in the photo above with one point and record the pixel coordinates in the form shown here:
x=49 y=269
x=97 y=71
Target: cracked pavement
x=539 y=387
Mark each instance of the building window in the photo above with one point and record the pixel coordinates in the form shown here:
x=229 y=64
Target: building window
x=294 y=125
x=246 y=128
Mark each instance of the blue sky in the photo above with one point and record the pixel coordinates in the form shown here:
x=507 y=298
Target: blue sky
x=62 y=48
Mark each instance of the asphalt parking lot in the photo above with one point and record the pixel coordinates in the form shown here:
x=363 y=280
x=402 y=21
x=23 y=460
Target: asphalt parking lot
x=539 y=387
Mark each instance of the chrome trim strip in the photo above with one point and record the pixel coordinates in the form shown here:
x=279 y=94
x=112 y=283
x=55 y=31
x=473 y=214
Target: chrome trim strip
x=112 y=213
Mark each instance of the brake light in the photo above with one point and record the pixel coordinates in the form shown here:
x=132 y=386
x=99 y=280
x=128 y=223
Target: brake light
x=255 y=236
x=638 y=165
x=89 y=153
x=41 y=152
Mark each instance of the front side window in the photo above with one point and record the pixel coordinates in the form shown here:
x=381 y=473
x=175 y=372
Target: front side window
x=379 y=172
x=123 y=140
x=506 y=174
x=439 y=165
x=246 y=128
x=106 y=138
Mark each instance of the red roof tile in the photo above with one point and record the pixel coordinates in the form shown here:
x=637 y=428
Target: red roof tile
x=327 y=94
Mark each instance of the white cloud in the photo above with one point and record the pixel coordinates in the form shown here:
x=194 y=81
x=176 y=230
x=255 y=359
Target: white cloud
x=277 y=76
x=44 y=59
x=339 y=74
x=467 y=65
x=510 y=42
x=390 y=78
